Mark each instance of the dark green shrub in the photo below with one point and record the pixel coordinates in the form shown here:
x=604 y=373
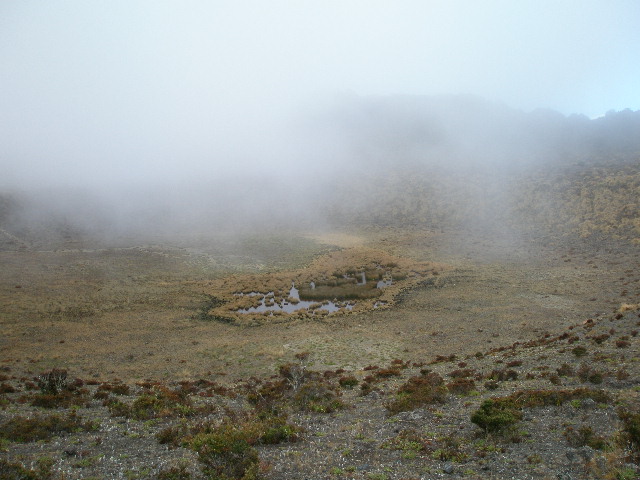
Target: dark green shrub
x=496 y=414
x=226 y=453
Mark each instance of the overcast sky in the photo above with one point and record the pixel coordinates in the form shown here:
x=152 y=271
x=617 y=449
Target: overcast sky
x=92 y=91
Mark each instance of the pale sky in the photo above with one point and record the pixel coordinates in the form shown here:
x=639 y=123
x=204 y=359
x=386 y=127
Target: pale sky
x=94 y=91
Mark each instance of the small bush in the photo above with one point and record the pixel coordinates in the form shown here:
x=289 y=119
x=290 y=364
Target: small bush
x=631 y=428
x=174 y=473
x=118 y=408
x=461 y=386
x=22 y=429
x=226 y=453
x=503 y=375
x=496 y=414
x=579 y=351
x=348 y=381
x=161 y=403
x=388 y=372
x=59 y=400
x=317 y=397
x=584 y=436
x=53 y=381
x=565 y=370
x=491 y=385
x=227 y=450
x=11 y=471
x=461 y=373
x=586 y=373
x=117 y=389
x=417 y=392
x=6 y=388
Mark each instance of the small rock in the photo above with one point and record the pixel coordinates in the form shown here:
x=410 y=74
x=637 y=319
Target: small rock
x=588 y=403
x=448 y=468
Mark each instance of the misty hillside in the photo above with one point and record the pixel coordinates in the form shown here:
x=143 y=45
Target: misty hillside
x=446 y=162
x=460 y=162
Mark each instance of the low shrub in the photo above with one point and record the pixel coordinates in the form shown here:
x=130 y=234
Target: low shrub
x=23 y=430
x=496 y=414
x=348 y=381
x=226 y=453
x=63 y=399
x=227 y=450
x=388 y=372
x=502 y=375
x=584 y=436
x=631 y=428
x=53 y=381
x=174 y=473
x=579 y=351
x=15 y=471
x=417 y=392
x=318 y=397
x=565 y=370
x=461 y=386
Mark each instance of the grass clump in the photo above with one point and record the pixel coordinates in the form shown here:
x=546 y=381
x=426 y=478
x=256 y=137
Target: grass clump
x=417 y=392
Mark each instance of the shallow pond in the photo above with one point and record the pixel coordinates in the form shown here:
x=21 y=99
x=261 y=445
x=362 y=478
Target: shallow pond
x=291 y=304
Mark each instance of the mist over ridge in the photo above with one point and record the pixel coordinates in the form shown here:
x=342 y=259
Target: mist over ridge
x=427 y=160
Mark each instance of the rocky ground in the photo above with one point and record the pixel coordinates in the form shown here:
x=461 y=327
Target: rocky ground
x=571 y=412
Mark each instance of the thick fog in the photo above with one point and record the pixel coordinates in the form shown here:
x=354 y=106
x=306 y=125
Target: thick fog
x=141 y=114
